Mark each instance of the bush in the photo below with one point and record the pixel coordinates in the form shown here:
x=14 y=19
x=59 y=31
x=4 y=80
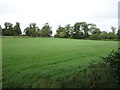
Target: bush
x=113 y=60
x=105 y=74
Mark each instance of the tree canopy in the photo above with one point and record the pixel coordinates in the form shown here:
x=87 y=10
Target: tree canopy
x=80 y=30
x=46 y=31
x=83 y=30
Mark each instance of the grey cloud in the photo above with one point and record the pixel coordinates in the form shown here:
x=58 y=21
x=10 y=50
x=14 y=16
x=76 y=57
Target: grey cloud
x=6 y=8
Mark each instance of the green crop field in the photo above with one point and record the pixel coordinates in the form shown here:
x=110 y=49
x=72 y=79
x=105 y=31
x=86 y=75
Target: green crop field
x=39 y=62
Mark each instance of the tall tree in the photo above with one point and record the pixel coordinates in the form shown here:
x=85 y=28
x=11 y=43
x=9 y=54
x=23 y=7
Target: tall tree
x=79 y=30
x=60 y=32
x=67 y=30
x=46 y=31
x=32 y=30
x=84 y=27
x=8 y=30
x=17 y=30
x=63 y=32
x=95 y=34
x=76 y=32
x=113 y=30
x=112 y=35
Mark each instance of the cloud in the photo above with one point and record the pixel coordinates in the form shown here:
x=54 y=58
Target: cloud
x=6 y=8
x=59 y=12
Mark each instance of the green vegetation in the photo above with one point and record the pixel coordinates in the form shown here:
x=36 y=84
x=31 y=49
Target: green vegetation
x=34 y=31
x=80 y=30
x=54 y=62
x=83 y=30
x=9 y=30
x=113 y=63
x=31 y=30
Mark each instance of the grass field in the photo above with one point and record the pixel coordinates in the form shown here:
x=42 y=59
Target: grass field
x=33 y=62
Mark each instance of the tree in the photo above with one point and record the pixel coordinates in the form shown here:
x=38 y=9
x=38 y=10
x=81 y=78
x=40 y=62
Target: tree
x=85 y=28
x=95 y=32
x=32 y=30
x=8 y=30
x=46 y=31
x=82 y=29
x=113 y=30
x=63 y=32
x=17 y=30
x=76 y=31
x=114 y=36
x=72 y=32
x=92 y=27
x=103 y=35
x=60 y=32
x=67 y=30
x=111 y=35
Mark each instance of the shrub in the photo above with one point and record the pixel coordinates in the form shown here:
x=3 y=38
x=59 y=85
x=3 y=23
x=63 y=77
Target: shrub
x=105 y=74
x=113 y=60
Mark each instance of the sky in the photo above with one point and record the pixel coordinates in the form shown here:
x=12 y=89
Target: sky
x=103 y=13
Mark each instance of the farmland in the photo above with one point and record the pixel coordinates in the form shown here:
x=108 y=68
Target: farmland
x=39 y=62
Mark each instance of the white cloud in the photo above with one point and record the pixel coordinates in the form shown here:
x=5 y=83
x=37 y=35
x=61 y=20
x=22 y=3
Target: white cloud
x=59 y=12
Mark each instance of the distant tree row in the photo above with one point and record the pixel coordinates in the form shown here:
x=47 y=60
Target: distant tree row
x=80 y=30
x=11 y=30
x=31 y=30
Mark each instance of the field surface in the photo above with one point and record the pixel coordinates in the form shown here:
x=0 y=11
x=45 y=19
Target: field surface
x=33 y=62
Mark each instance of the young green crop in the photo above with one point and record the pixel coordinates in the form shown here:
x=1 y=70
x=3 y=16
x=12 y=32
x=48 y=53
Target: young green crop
x=38 y=62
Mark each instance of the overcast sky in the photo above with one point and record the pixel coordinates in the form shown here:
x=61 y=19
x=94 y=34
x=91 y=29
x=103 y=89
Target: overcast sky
x=104 y=13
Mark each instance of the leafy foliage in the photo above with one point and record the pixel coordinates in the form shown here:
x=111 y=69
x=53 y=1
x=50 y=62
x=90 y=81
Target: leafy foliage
x=32 y=30
x=17 y=30
x=113 y=59
x=105 y=74
x=83 y=30
x=80 y=30
x=46 y=31
x=8 y=30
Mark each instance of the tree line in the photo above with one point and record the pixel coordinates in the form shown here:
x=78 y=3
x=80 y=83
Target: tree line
x=83 y=30
x=80 y=30
x=31 y=30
